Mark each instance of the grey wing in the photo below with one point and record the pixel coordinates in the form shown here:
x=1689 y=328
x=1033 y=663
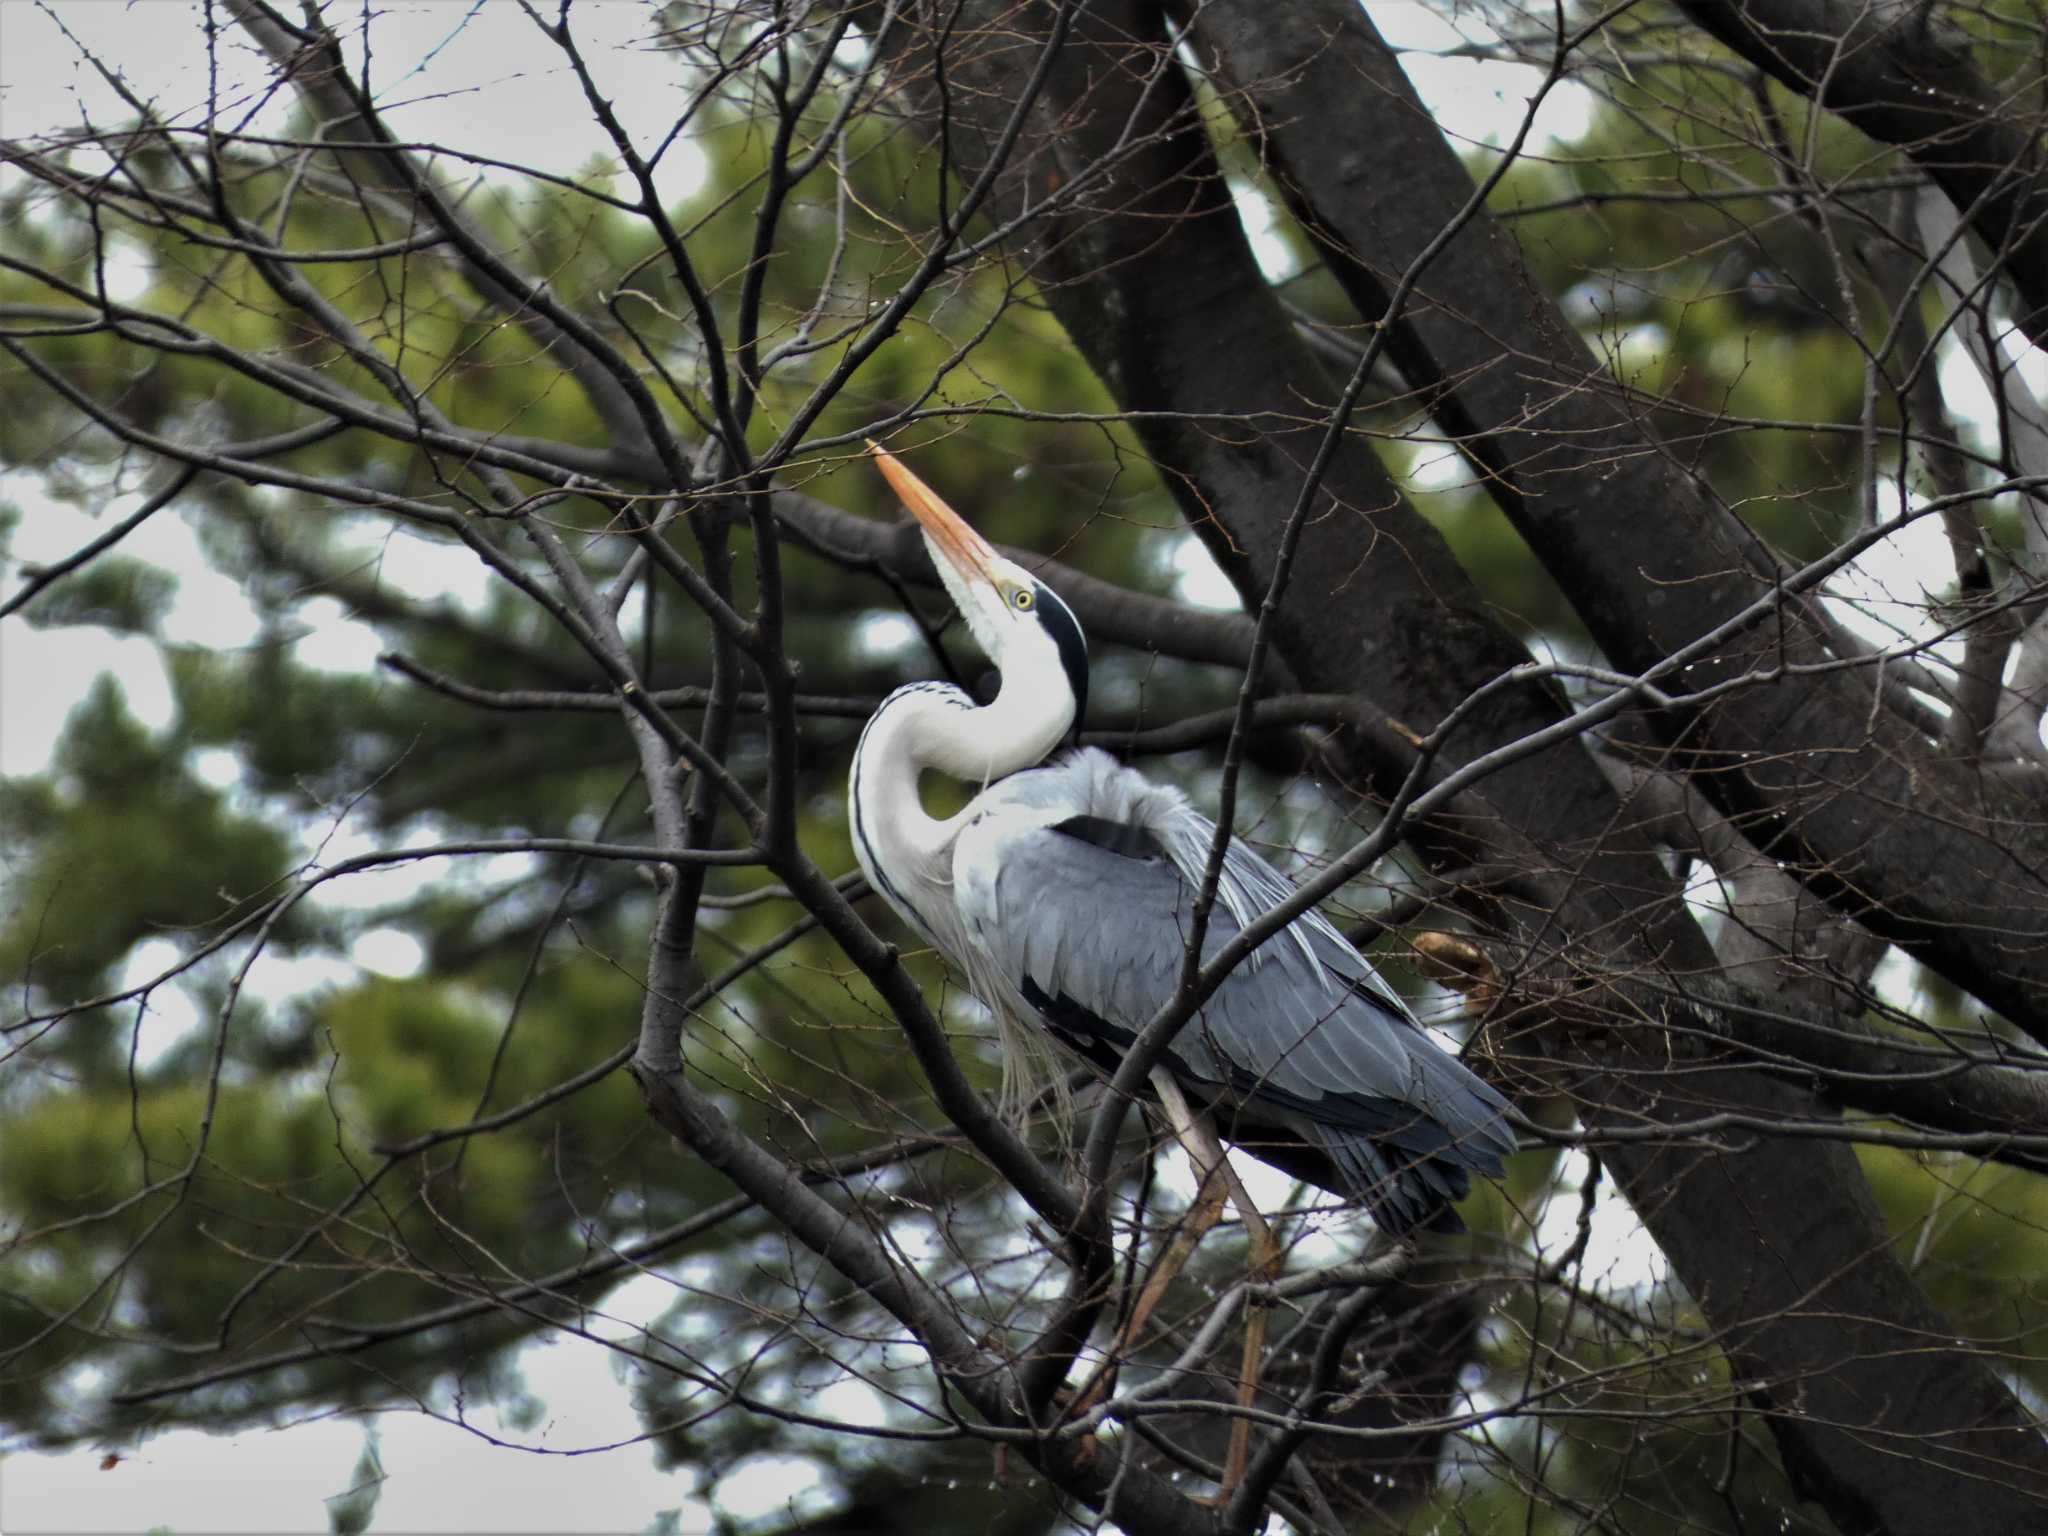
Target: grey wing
x=1090 y=928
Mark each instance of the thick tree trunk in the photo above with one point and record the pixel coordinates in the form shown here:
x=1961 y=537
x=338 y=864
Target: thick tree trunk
x=1922 y=848
x=1148 y=269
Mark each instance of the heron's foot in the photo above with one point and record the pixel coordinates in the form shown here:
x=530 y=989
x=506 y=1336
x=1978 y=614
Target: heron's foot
x=1072 y=1402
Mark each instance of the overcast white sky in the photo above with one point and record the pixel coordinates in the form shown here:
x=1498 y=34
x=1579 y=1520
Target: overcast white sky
x=464 y=75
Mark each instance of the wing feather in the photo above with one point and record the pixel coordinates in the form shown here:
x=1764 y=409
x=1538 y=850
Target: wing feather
x=1077 y=881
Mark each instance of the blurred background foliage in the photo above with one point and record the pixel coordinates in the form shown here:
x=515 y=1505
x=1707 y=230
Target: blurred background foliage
x=322 y=1206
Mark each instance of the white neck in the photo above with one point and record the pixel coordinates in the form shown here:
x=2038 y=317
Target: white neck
x=933 y=726
x=1016 y=730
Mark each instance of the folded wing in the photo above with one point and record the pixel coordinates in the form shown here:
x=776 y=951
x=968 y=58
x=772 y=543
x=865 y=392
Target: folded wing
x=1306 y=1056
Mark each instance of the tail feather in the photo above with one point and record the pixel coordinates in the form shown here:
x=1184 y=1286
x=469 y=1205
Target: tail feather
x=1404 y=1193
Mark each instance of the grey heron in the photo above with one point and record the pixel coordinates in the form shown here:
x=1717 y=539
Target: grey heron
x=1063 y=892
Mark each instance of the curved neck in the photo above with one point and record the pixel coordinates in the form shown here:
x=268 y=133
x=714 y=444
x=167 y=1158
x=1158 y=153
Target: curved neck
x=933 y=725
x=979 y=745
x=891 y=826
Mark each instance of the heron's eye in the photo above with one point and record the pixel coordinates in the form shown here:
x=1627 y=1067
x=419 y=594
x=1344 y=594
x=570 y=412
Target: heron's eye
x=1022 y=599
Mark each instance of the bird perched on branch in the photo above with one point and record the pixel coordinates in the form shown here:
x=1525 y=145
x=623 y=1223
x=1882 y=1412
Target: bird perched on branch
x=1065 y=893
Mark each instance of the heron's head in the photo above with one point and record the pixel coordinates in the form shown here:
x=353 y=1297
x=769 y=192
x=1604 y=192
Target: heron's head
x=1026 y=630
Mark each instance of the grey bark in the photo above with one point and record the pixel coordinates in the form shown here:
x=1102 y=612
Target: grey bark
x=1921 y=848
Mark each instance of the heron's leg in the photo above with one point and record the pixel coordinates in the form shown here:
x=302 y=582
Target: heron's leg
x=1219 y=1183
x=1200 y=1217
x=1198 y=1136
x=1194 y=1226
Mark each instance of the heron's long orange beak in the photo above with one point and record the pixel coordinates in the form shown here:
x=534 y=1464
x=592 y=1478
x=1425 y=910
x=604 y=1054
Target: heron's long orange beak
x=967 y=551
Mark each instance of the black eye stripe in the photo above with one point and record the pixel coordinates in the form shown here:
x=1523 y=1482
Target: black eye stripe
x=1059 y=622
